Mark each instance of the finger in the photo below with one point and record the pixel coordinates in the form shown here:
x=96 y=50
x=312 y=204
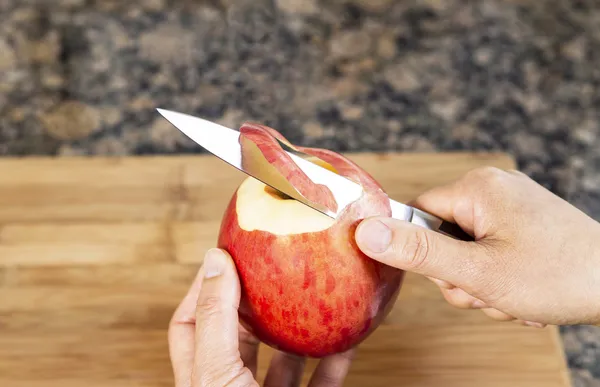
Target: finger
x=285 y=370
x=217 y=358
x=457 y=202
x=441 y=283
x=498 y=315
x=414 y=248
x=530 y=324
x=439 y=201
x=533 y=324
x=331 y=371
x=461 y=299
x=181 y=335
x=248 y=349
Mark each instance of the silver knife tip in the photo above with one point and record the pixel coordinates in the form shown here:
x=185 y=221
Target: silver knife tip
x=169 y=114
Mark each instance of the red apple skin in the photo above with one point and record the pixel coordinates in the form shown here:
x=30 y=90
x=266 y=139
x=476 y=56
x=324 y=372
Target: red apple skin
x=264 y=138
x=312 y=294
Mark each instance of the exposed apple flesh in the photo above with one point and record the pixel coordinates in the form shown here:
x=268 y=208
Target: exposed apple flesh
x=306 y=287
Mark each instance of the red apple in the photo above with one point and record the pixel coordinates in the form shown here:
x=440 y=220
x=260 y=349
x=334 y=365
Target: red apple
x=306 y=287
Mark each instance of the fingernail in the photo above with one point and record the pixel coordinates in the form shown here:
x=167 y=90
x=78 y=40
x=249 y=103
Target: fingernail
x=374 y=236
x=478 y=304
x=441 y=283
x=214 y=263
x=533 y=324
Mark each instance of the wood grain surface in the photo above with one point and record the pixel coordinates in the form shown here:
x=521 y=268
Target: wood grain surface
x=95 y=254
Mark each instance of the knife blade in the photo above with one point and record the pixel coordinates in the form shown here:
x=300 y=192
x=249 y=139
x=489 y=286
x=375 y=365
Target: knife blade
x=224 y=143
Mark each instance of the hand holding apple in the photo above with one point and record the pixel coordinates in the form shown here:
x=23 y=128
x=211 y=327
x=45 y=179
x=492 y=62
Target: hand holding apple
x=306 y=287
x=208 y=347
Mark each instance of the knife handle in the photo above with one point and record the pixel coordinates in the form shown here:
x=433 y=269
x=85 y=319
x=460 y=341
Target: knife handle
x=436 y=224
x=452 y=230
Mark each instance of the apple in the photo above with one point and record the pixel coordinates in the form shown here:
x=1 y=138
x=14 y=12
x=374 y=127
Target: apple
x=306 y=287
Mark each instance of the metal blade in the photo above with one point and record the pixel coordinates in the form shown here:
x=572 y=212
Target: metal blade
x=224 y=143
x=217 y=139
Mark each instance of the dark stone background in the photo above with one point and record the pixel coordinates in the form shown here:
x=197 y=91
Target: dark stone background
x=522 y=76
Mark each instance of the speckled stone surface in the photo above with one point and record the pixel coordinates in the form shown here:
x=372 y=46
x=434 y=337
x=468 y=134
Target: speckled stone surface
x=522 y=76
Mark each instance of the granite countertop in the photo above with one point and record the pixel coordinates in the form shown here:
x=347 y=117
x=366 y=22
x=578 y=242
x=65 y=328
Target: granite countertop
x=522 y=76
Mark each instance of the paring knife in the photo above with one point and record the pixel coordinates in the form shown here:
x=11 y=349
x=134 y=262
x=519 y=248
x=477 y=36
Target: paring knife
x=224 y=143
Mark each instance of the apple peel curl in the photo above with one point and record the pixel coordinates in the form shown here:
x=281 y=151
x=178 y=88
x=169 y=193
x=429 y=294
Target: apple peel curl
x=306 y=287
x=266 y=141
x=262 y=152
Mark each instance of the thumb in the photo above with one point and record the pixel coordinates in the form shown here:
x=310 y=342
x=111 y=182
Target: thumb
x=416 y=249
x=217 y=358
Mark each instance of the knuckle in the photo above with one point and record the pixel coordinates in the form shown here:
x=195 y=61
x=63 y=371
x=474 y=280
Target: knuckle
x=516 y=172
x=209 y=306
x=330 y=378
x=489 y=189
x=241 y=378
x=415 y=250
x=489 y=176
x=227 y=372
x=490 y=171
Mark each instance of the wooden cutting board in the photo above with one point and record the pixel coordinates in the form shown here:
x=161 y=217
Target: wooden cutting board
x=95 y=254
